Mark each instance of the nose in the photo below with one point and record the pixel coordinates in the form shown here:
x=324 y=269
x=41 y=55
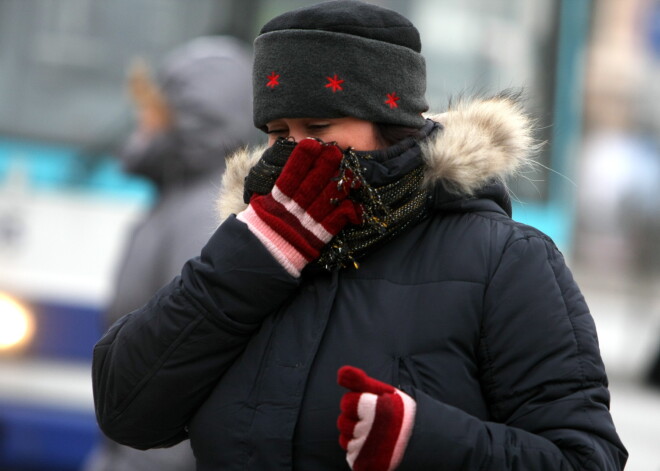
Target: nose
x=297 y=135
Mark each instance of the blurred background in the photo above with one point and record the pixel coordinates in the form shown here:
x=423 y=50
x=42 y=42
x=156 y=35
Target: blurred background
x=590 y=70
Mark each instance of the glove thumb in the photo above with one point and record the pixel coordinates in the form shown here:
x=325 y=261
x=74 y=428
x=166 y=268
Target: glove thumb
x=357 y=380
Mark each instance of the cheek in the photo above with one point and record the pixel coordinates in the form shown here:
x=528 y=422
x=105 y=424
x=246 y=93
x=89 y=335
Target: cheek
x=272 y=139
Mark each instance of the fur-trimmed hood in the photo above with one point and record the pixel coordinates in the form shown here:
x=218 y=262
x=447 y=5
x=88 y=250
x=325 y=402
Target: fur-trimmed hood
x=482 y=140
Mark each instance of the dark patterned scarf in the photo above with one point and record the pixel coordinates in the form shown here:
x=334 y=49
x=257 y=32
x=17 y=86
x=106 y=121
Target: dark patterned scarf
x=390 y=205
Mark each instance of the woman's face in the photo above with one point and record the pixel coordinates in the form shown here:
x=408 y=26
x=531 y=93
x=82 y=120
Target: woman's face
x=346 y=132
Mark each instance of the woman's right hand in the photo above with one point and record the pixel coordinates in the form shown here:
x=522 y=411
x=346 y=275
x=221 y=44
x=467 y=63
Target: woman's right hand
x=307 y=207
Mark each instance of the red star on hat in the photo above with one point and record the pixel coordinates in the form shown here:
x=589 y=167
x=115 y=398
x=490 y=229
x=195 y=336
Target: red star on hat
x=273 y=80
x=334 y=83
x=392 y=99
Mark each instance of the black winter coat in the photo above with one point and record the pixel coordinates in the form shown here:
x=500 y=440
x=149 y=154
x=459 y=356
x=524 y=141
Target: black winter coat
x=475 y=316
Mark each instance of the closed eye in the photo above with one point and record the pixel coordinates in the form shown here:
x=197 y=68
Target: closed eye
x=276 y=131
x=318 y=129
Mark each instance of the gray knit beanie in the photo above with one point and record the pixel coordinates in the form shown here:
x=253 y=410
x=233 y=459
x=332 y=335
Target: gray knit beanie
x=339 y=58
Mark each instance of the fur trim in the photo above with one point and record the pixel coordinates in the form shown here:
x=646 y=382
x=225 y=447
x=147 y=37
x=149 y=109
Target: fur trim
x=230 y=199
x=482 y=140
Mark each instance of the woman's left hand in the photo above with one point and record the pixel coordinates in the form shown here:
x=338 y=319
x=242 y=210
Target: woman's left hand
x=375 y=423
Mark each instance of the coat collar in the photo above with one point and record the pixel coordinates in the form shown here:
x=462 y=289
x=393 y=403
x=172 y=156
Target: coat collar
x=482 y=143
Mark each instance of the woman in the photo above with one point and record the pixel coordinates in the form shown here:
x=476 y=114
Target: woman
x=391 y=265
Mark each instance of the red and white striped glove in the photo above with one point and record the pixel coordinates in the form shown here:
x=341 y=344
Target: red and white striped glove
x=375 y=423
x=307 y=207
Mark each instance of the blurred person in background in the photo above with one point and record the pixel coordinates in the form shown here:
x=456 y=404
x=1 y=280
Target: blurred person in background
x=618 y=219
x=370 y=279
x=189 y=118
x=649 y=232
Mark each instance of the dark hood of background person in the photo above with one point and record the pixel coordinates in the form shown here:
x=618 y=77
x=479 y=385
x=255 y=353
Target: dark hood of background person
x=205 y=87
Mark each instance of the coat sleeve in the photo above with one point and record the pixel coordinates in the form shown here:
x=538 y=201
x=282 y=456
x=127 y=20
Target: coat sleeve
x=155 y=366
x=542 y=376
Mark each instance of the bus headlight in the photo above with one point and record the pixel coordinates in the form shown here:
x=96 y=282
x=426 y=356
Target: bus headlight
x=16 y=324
